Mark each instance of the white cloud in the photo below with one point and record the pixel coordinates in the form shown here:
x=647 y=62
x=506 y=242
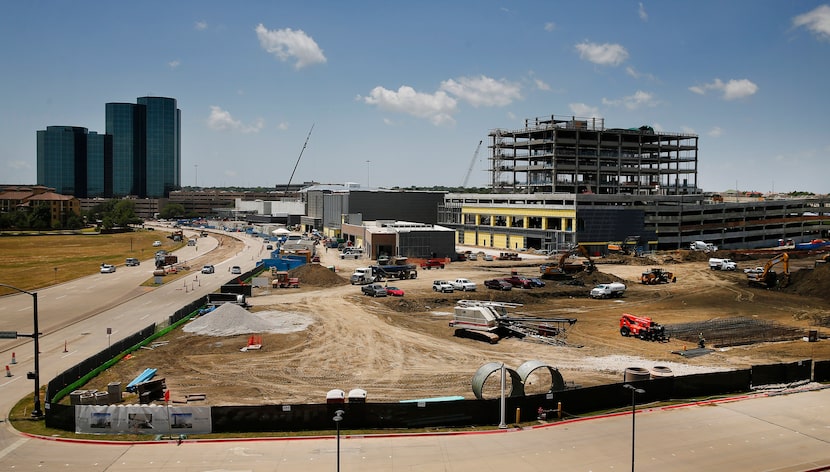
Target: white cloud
x=816 y=21
x=282 y=126
x=438 y=108
x=715 y=132
x=603 y=54
x=584 y=111
x=732 y=90
x=642 y=12
x=287 y=43
x=483 y=91
x=18 y=165
x=511 y=116
x=174 y=63
x=632 y=102
x=550 y=26
x=200 y=25
x=221 y=120
x=541 y=85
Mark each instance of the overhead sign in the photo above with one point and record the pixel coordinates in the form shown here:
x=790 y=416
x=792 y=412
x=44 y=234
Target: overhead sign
x=8 y=334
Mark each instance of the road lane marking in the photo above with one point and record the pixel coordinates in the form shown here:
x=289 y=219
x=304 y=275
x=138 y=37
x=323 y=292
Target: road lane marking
x=12 y=447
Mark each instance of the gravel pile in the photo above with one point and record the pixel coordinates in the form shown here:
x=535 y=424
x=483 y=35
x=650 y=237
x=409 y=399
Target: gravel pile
x=230 y=320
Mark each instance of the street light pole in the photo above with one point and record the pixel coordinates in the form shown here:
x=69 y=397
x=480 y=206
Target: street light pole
x=338 y=417
x=634 y=391
x=36 y=412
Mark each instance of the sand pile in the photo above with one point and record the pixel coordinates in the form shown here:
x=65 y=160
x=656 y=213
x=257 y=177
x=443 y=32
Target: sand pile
x=811 y=283
x=317 y=276
x=230 y=320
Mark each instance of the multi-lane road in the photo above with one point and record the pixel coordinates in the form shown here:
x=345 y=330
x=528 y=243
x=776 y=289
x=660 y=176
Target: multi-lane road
x=763 y=433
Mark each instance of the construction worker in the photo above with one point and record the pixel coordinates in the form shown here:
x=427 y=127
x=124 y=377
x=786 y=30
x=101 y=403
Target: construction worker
x=701 y=342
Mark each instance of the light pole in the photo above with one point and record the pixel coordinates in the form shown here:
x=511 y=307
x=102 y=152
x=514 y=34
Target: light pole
x=634 y=392
x=338 y=417
x=36 y=412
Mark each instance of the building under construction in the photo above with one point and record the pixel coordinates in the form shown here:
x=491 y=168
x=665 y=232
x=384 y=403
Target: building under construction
x=579 y=155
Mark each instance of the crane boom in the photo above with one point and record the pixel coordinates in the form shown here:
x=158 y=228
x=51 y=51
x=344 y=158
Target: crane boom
x=288 y=185
x=472 y=163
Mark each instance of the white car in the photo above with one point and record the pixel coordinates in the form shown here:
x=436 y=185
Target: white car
x=156 y=243
x=208 y=269
x=236 y=270
x=464 y=285
x=442 y=286
x=107 y=268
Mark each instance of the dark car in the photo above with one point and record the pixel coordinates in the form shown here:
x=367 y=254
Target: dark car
x=498 y=284
x=537 y=282
x=374 y=290
x=132 y=262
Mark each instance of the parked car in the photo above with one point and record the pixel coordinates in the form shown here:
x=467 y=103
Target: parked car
x=498 y=284
x=464 y=285
x=107 y=268
x=442 y=286
x=488 y=257
x=208 y=269
x=315 y=259
x=394 y=291
x=269 y=247
x=236 y=270
x=518 y=281
x=156 y=243
x=374 y=290
x=132 y=262
x=536 y=281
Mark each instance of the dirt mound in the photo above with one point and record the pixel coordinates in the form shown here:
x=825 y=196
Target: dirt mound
x=810 y=283
x=317 y=276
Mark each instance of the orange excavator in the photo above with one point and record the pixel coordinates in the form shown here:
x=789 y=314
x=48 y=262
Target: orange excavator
x=563 y=269
x=767 y=277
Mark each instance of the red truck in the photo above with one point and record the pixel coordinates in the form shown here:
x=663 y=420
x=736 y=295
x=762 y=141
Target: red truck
x=430 y=263
x=519 y=281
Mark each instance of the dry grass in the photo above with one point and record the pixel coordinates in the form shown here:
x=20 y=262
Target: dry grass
x=35 y=261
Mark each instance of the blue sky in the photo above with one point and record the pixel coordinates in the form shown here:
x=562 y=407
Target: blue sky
x=400 y=93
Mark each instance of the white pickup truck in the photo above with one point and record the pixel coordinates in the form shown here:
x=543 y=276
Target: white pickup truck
x=722 y=264
x=614 y=289
x=464 y=285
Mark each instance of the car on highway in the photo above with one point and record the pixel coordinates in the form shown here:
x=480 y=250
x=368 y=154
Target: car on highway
x=208 y=269
x=107 y=268
x=236 y=270
x=498 y=284
x=156 y=243
x=394 y=291
x=132 y=262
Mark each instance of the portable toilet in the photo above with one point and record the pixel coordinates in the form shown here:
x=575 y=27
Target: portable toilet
x=357 y=395
x=336 y=396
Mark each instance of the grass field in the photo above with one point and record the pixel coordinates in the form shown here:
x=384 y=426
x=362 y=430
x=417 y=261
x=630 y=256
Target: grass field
x=37 y=261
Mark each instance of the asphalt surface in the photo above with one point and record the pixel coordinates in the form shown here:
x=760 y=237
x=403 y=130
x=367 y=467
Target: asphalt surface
x=756 y=433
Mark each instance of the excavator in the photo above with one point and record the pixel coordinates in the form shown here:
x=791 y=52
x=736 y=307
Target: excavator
x=563 y=269
x=766 y=277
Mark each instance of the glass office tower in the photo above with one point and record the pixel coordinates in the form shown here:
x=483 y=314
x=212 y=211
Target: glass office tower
x=61 y=159
x=121 y=124
x=160 y=171
x=98 y=165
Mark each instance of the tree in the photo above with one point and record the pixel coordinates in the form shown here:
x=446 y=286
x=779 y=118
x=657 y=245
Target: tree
x=40 y=218
x=172 y=210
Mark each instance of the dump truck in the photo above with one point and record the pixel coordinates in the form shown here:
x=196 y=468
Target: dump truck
x=642 y=327
x=395 y=271
x=490 y=321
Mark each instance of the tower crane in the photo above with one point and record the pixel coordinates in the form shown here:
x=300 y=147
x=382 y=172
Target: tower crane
x=472 y=163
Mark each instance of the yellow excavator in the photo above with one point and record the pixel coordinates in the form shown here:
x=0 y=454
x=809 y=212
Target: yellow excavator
x=766 y=277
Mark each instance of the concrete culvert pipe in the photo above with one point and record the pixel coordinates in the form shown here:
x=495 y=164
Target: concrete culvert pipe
x=661 y=371
x=633 y=374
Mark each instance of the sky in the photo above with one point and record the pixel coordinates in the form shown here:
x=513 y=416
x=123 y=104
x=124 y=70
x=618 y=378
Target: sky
x=386 y=93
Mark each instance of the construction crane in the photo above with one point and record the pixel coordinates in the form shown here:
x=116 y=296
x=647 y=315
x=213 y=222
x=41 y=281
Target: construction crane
x=472 y=163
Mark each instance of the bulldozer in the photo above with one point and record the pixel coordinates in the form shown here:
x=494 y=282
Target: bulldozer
x=656 y=276
x=282 y=280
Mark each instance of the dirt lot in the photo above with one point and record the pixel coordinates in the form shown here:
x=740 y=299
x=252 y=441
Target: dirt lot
x=402 y=348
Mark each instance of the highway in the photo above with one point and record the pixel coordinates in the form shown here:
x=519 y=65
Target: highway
x=756 y=433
